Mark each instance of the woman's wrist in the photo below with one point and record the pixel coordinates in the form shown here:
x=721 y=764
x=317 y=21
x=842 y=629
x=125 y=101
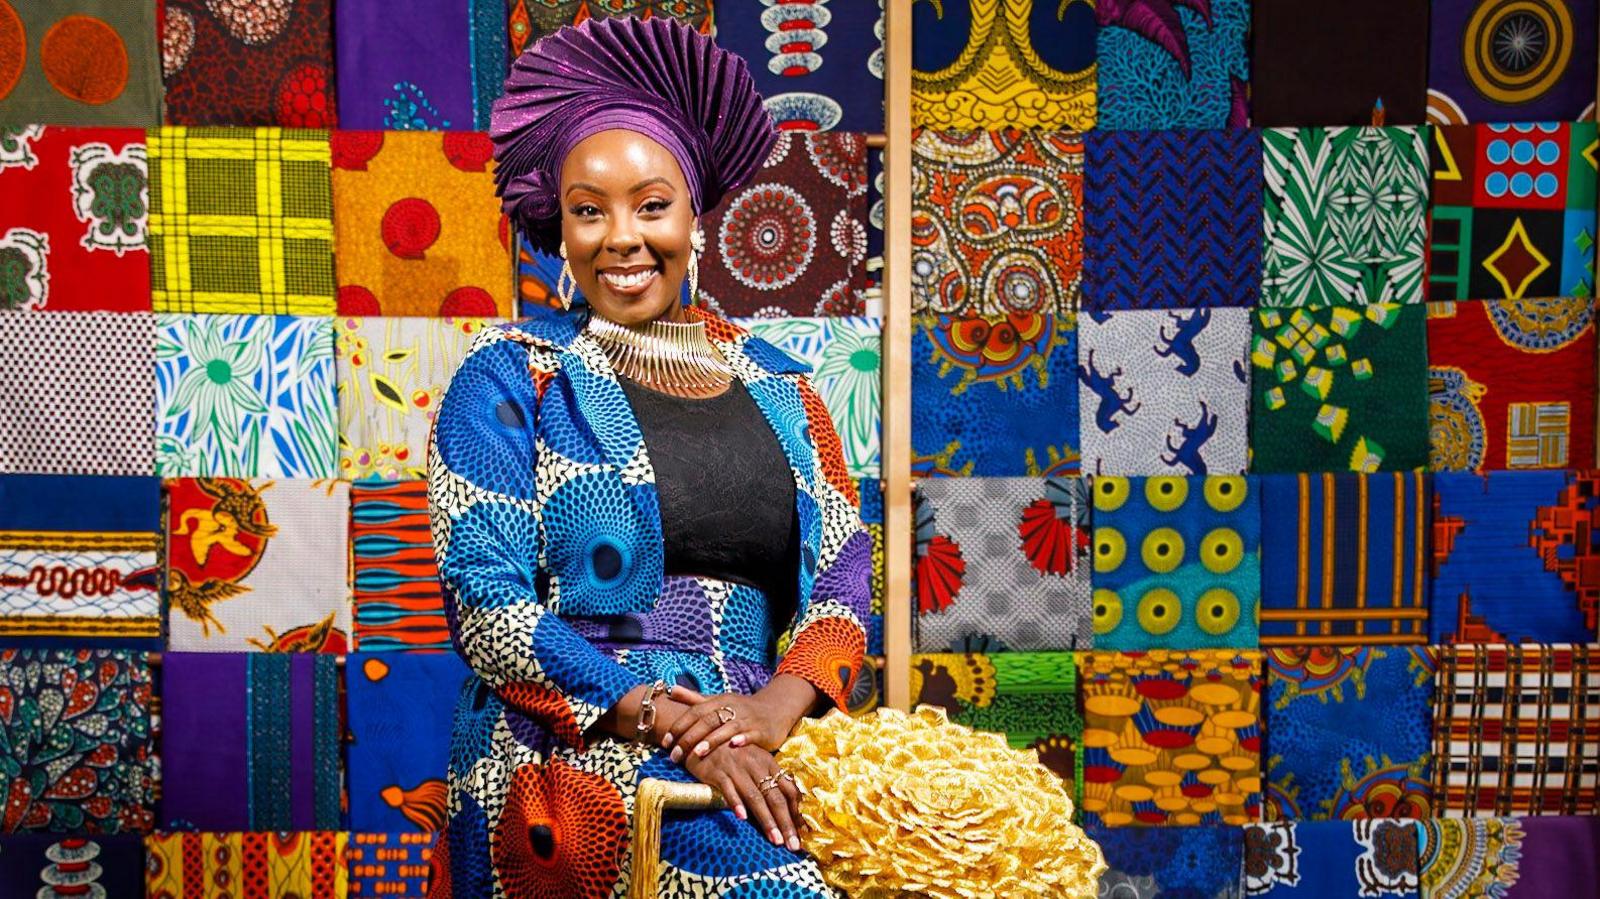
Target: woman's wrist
x=791 y=698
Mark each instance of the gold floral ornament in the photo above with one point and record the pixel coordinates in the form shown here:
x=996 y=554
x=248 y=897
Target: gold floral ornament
x=916 y=805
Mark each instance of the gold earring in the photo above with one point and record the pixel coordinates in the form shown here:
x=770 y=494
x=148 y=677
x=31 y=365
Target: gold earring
x=697 y=245
x=566 y=284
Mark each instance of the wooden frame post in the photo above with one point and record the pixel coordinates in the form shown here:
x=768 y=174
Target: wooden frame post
x=896 y=357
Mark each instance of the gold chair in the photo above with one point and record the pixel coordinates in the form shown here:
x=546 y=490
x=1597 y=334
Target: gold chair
x=653 y=799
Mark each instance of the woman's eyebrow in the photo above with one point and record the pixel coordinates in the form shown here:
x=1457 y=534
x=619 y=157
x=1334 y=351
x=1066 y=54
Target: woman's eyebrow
x=584 y=185
x=647 y=182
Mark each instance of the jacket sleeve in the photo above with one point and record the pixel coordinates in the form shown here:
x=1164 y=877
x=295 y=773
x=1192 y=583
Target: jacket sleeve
x=828 y=638
x=485 y=517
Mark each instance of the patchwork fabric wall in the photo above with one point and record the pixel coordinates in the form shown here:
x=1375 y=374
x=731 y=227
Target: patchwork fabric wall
x=1253 y=384
x=243 y=247
x=1300 y=298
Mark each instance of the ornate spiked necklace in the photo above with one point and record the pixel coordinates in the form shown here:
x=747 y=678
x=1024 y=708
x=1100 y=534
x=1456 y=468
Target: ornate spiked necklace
x=671 y=357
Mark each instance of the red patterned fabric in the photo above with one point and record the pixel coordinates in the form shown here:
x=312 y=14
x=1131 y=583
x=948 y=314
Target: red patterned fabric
x=248 y=62
x=794 y=242
x=73 y=227
x=1511 y=384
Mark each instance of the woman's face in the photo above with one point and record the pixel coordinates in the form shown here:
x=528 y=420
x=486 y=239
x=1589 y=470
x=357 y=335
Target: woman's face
x=626 y=217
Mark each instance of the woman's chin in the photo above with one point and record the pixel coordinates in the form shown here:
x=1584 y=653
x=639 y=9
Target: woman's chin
x=633 y=309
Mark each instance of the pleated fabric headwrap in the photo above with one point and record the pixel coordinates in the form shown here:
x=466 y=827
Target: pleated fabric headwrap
x=655 y=76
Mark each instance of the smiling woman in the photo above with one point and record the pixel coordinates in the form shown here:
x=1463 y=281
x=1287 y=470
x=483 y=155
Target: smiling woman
x=634 y=505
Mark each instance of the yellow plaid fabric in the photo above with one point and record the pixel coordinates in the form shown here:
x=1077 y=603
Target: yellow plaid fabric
x=241 y=221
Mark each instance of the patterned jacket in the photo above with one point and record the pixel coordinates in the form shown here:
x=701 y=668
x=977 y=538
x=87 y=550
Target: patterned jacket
x=544 y=509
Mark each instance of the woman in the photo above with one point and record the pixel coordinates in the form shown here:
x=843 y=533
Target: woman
x=634 y=508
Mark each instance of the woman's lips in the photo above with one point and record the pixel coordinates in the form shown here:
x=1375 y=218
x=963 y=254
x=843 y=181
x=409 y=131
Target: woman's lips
x=629 y=283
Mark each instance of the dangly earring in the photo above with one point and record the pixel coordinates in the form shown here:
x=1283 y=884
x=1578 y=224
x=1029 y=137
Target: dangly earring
x=566 y=284
x=697 y=245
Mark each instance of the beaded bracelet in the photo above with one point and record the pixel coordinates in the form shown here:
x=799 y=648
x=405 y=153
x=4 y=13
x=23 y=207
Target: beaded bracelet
x=647 y=709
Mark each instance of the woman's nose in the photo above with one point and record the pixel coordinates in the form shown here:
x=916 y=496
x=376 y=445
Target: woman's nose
x=623 y=238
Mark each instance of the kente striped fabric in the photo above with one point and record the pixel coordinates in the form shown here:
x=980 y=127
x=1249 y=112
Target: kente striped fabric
x=1343 y=558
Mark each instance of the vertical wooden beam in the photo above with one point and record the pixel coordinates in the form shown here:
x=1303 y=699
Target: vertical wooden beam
x=897 y=357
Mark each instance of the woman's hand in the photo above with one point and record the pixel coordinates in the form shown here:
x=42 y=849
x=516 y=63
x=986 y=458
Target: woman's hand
x=764 y=719
x=739 y=773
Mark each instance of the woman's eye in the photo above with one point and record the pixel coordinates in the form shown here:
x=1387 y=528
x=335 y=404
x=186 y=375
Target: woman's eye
x=655 y=206
x=586 y=210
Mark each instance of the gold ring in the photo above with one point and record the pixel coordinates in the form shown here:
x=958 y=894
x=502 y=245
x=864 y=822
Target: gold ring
x=726 y=714
x=770 y=782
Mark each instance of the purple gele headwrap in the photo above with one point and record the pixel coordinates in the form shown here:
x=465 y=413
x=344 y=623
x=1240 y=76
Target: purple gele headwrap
x=654 y=76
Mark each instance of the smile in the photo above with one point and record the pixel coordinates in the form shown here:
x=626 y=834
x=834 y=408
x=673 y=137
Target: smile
x=628 y=282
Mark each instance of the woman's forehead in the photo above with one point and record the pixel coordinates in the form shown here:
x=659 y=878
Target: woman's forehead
x=622 y=156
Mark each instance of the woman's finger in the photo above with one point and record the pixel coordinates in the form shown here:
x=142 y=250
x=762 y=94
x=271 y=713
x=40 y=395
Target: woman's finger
x=722 y=734
x=680 y=693
x=791 y=792
x=696 y=732
x=732 y=796
x=694 y=715
x=778 y=803
x=759 y=807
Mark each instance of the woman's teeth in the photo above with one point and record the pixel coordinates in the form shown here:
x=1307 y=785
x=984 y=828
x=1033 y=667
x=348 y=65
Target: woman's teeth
x=628 y=280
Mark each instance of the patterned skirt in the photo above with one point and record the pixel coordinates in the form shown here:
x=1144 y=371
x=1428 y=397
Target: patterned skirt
x=530 y=817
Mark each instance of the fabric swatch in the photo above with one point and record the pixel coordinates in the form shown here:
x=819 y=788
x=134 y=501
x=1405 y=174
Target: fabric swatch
x=1511 y=384
x=400 y=707
x=245 y=396
x=994 y=396
x=1172 y=219
x=867 y=694
x=80 y=62
x=392 y=373
x=1186 y=67
x=1333 y=859
x=1171 y=738
x=1464 y=858
x=398 y=605
x=419 y=66
x=418 y=226
x=1176 y=862
x=249 y=741
x=262 y=865
x=251 y=565
x=1345 y=215
x=1170 y=390
x=1348 y=732
x=794 y=241
x=79 y=393
x=1502 y=61
x=241 y=220
x=1560 y=856
x=75 y=227
x=997 y=222
x=529 y=20
x=75 y=747
x=393 y=865
x=1510 y=858
x=845 y=355
x=1339 y=389
x=78 y=561
x=1335 y=64
x=57 y=865
x=1343 y=558
x=818 y=63
x=537 y=274
x=1177 y=562
x=993 y=64
x=232 y=63
x=1513 y=211
x=1516 y=730
x=1516 y=557
x=1001 y=564
x=1030 y=697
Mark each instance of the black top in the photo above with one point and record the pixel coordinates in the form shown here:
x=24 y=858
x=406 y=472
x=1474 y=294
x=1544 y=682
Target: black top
x=727 y=495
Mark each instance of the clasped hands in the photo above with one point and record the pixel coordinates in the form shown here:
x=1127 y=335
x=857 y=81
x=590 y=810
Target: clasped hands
x=727 y=741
